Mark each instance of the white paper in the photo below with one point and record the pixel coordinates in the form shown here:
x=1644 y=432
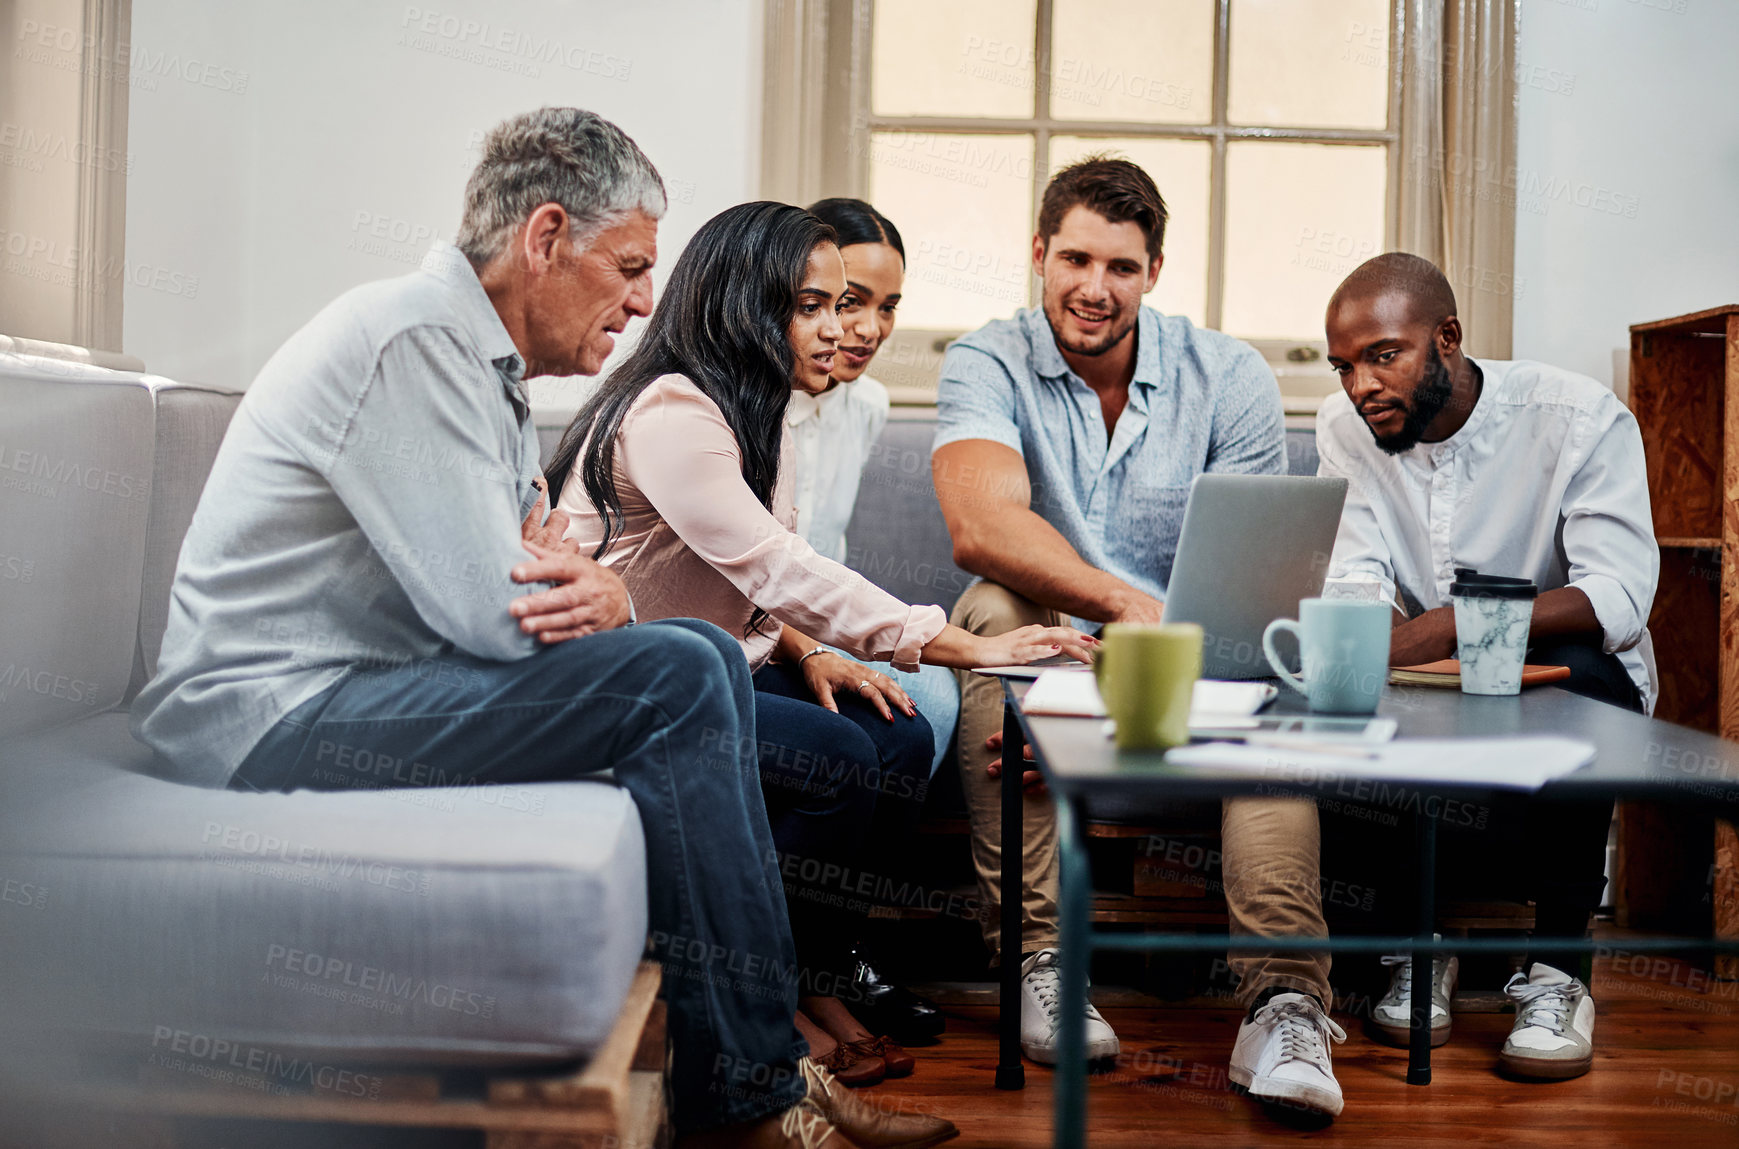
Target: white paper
x=1504 y=763
x=1071 y=694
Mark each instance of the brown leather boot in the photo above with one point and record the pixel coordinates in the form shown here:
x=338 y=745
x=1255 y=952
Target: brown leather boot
x=867 y=1124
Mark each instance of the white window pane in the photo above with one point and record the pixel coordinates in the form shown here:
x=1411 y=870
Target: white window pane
x=958 y=58
x=1149 y=60
x=963 y=204
x=1314 y=63
x=1299 y=218
x=1181 y=169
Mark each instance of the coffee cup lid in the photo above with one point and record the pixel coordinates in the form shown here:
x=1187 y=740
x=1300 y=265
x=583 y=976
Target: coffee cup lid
x=1469 y=583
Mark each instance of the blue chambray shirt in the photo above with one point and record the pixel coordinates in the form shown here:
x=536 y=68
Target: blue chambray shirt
x=364 y=510
x=1200 y=401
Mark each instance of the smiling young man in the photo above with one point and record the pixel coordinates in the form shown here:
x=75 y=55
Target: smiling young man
x=1067 y=441
x=1511 y=468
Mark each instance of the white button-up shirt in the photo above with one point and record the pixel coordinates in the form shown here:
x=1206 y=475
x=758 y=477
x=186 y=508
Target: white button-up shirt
x=831 y=435
x=1545 y=481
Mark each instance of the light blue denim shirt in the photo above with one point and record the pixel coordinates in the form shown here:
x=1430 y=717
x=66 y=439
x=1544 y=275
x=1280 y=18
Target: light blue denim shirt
x=363 y=511
x=1199 y=401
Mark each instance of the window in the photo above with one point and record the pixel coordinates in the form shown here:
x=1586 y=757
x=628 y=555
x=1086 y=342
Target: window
x=63 y=174
x=1270 y=126
x=1266 y=124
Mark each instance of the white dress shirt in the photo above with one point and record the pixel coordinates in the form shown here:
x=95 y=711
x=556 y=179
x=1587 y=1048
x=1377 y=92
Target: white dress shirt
x=1545 y=481
x=832 y=434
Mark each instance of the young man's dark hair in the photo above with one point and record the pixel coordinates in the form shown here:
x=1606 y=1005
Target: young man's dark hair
x=1115 y=189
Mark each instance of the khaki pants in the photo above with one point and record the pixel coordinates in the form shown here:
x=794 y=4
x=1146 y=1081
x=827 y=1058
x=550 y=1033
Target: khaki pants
x=1270 y=846
x=1270 y=860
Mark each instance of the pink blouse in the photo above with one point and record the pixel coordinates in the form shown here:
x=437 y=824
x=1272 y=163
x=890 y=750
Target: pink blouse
x=698 y=544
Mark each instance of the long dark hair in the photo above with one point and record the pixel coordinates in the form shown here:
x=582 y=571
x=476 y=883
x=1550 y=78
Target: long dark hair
x=855 y=221
x=723 y=322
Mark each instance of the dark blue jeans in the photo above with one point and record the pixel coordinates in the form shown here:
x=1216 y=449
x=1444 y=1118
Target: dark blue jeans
x=842 y=791
x=670 y=708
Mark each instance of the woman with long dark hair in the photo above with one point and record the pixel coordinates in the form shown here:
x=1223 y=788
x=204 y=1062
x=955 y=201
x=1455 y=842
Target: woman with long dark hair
x=671 y=475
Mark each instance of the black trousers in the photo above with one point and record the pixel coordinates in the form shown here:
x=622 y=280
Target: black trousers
x=1520 y=847
x=842 y=792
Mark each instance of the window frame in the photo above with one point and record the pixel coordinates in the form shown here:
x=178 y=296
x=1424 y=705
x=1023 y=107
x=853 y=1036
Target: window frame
x=862 y=121
x=88 y=327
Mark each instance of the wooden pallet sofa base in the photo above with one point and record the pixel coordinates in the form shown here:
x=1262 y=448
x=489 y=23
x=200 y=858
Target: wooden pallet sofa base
x=615 y=1101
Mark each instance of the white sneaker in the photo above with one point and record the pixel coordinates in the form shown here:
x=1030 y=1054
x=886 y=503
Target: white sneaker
x=1281 y=1057
x=1392 y=1018
x=1553 y=1034
x=1041 y=1006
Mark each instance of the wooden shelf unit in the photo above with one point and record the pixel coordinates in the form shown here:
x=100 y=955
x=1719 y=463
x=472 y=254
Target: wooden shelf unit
x=1684 y=392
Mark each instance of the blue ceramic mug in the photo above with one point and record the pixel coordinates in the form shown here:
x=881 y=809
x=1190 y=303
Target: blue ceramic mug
x=1344 y=651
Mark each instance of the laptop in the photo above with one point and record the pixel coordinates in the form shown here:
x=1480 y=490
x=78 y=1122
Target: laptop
x=1251 y=547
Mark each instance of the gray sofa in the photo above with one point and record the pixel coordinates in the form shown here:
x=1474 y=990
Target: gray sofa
x=476 y=926
x=479 y=926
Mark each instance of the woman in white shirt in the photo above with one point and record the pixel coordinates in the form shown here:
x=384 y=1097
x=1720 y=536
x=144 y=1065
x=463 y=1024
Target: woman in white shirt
x=833 y=432
x=831 y=436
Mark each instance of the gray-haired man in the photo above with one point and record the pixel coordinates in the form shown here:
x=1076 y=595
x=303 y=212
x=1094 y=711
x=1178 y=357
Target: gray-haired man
x=357 y=570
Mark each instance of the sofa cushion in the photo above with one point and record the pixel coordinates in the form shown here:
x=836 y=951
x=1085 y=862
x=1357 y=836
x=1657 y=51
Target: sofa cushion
x=75 y=493
x=1301 y=451
x=481 y=924
x=188 y=429
x=897 y=537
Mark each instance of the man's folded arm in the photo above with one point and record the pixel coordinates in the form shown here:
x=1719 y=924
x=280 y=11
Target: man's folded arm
x=416 y=467
x=986 y=497
x=1608 y=534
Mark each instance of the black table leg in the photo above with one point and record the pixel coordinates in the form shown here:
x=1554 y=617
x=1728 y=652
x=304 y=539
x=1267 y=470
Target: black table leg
x=1010 y=1073
x=1424 y=972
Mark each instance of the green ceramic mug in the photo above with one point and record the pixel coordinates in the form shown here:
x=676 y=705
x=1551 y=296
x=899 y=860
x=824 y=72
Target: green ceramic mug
x=1146 y=674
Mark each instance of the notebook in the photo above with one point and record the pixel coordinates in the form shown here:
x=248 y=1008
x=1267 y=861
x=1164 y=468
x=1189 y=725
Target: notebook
x=1071 y=694
x=1446 y=674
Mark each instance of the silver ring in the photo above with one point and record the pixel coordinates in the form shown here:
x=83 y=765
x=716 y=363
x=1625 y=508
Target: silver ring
x=863 y=686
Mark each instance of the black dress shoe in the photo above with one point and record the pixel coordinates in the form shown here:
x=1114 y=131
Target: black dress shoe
x=883 y=1007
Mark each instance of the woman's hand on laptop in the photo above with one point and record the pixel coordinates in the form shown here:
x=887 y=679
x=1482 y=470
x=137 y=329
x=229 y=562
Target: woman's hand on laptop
x=585 y=599
x=964 y=650
x=1031 y=643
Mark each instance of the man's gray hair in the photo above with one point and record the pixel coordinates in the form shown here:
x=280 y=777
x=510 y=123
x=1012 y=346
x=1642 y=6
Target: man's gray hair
x=566 y=156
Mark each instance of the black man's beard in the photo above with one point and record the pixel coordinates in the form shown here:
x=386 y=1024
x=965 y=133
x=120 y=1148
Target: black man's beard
x=1430 y=396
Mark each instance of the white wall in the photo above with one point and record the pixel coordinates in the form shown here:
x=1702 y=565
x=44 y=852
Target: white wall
x=284 y=153
x=267 y=146
x=1628 y=174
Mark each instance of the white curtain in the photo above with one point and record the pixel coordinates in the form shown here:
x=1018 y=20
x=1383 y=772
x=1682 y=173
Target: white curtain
x=1458 y=162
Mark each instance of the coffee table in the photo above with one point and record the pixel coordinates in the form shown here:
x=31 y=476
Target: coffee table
x=1636 y=757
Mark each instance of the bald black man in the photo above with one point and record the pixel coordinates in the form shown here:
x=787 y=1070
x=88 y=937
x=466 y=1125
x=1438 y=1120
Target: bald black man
x=1512 y=468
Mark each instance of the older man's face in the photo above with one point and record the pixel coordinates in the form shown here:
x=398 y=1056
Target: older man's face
x=575 y=311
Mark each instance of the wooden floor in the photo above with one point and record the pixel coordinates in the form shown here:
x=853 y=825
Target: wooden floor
x=1666 y=1073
